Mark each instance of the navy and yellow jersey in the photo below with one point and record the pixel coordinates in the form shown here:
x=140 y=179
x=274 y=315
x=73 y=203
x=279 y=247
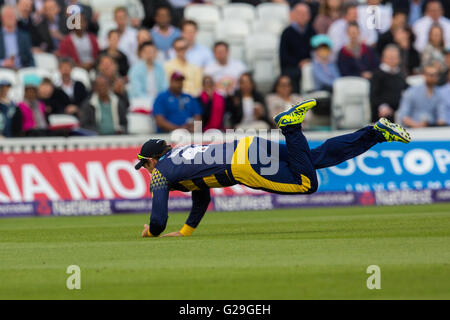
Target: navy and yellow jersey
x=251 y=161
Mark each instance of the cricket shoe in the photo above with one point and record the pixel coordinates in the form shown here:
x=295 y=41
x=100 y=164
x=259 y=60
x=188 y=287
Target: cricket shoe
x=392 y=131
x=295 y=115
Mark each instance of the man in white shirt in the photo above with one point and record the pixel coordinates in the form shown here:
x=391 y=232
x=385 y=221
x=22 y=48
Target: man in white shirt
x=225 y=71
x=196 y=54
x=434 y=14
x=338 y=29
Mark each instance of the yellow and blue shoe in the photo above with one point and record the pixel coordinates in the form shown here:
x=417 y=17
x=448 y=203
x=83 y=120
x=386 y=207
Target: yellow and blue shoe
x=295 y=115
x=392 y=131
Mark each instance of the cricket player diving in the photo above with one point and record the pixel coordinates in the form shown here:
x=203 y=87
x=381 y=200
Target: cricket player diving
x=190 y=168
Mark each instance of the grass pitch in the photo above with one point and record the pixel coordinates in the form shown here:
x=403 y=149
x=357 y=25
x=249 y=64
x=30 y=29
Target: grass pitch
x=283 y=254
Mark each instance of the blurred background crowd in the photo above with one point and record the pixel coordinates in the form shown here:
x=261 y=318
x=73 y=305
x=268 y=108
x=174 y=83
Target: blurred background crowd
x=101 y=67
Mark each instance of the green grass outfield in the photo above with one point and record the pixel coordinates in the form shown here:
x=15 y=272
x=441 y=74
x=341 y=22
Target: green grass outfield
x=282 y=254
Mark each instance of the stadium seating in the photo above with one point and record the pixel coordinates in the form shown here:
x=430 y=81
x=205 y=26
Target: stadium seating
x=46 y=61
x=272 y=26
x=241 y=11
x=206 y=16
x=139 y=123
x=273 y=11
x=308 y=85
x=234 y=32
x=351 y=106
x=415 y=80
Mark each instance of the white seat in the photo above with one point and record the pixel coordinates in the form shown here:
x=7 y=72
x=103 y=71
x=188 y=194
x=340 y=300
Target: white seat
x=42 y=73
x=242 y=11
x=11 y=77
x=139 y=123
x=220 y=3
x=63 y=121
x=234 y=32
x=307 y=79
x=205 y=15
x=272 y=26
x=82 y=75
x=46 y=61
x=107 y=5
x=141 y=105
x=272 y=11
x=415 y=80
x=351 y=106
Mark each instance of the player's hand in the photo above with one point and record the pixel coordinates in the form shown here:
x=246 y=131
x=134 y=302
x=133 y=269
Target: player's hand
x=173 y=234
x=145 y=231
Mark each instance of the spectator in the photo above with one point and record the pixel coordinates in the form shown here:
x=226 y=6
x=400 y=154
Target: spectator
x=10 y=122
x=163 y=33
x=147 y=77
x=144 y=35
x=150 y=8
x=51 y=30
x=281 y=97
x=325 y=71
x=246 y=107
x=114 y=52
x=420 y=104
x=52 y=99
x=81 y=46
x=445 y=76
x=387 y=85
x=15 y=44
x=174 y=109
x=107 y=67
x=356 y=58
x=338 y=30
x=32 y=111
x=213 y=105
x=295 y=44
x=410 y=58
x=196 y=54
x=24 y=15
x=434 y=51
x=383 y=19
x=104 y=112
x=224 y=70
x=398 y=21
x=178 y=10
x=127 y=35
x=444 y=109
x=433 y=15
x=330 y=11
x=85 y=10
x=193 y=74
x=74 y=91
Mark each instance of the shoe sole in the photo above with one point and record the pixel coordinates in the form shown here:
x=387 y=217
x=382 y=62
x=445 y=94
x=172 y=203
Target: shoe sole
x=303 y=105
x=393 y=128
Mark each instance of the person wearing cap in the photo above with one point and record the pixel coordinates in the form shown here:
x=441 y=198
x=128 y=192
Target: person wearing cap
x=252 y=161
x=9 y=115
x=34 y=119
x=325 y=70
x=174 y=109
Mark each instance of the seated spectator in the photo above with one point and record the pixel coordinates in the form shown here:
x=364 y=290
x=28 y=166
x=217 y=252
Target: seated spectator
x=325 y=71
x=338 y=29
x=213 y=105
x=104 y=112
x=10 y=122
x=107 y=67
x=246 y=108
x=15 y=44
x=32 y=111
x=70 y=91
x=433 y=15
x=86 y=10
x=224 y=70
x=445 y=75
x=193 y=75
x=147 y=77
x=295 y=44
x=51 y=30
x=410 y=58
x=387 y=85
x=281 y=97
x=434 y=51
x=143 y=35
x=444 y=109
x=383 y=20
x=196 y=54
x=24 y=15
x=420 y=104
x=164 y=34
x=357 y=59
x=399 y=20
x=114 y=52
x=174 y=109
x=330 y=11
x=178 y=10
x=81 y=46
x=127 y=35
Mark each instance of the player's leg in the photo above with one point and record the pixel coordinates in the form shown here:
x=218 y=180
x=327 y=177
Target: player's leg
x=345 y=147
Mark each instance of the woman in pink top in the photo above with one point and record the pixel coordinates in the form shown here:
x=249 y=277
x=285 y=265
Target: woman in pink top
x=213 y=105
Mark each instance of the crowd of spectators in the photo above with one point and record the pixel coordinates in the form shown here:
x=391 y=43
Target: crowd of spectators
x=157 y=58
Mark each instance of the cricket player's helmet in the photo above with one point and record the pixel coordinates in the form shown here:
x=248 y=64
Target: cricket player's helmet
x=151 y=149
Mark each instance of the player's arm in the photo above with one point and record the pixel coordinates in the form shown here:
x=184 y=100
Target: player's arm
x=200 y=203
x=158 y=218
